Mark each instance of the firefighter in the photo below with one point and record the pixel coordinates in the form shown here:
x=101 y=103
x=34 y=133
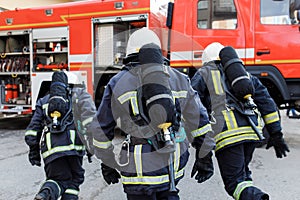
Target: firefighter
x=58 y=143
x=154 y=153
x=233 y=98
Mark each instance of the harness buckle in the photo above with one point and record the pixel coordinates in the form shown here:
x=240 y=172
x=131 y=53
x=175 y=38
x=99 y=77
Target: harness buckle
x=125 y=144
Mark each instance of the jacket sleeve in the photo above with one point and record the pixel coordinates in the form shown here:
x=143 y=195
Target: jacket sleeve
x=266 y=106
x=104 y=129
x=197 y=124
x=84 y=107
x=199 y=84
x=35 y=128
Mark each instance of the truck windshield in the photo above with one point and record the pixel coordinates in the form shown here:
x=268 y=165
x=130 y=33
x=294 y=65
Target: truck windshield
x=277 y=12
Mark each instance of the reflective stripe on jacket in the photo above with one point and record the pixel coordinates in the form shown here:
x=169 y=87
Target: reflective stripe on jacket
x=52 y=145
x=147 y=169
x=229 y=125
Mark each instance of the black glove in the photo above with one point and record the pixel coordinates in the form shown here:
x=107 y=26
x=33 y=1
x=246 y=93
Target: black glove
x=89 y=156
x=276 y=140
x=203 y=167
x=110 y=175
x=34 y=156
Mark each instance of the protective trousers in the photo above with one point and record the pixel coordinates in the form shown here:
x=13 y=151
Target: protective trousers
x=163 y=195
x=64 y=176
x=234 y=167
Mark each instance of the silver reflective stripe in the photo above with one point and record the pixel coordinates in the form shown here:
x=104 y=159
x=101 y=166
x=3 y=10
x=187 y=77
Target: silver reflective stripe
x=179 y=94
x=272 y=117
x=177 y=157
x=72 y=136
x=102 y=145
x=216 y=78
x=150 y=180
x=127 y=96
x=52 y=181
x=63 y=148
x=240 y=187
x=138 y=160
x=87 y=121
x=159 y=96
x=133 y=100
x=45 y=107
x=58 y=97
x=233 y=132
x=230 y=119
x=31 y=132
x=238 y=79
x=48 y=140
x=72 y=191
x=201 y=131
x=235 y=139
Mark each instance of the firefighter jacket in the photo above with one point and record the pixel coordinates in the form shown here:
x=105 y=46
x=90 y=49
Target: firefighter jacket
x=230 y=126
x=52 y=145
x=147 y=170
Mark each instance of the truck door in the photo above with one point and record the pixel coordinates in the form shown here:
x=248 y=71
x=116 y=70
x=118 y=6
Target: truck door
x=277 y=44
x=218 y=21
x=110 y=36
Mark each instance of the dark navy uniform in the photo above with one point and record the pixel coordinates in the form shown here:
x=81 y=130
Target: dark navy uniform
x=62 y=153
x=235 y=138
x=146 y=174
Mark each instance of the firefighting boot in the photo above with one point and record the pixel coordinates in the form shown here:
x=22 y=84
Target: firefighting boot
x=43 y=195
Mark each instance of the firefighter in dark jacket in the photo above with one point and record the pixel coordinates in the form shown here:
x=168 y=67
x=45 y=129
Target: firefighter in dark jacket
x=60 y=147
x=235 y=137
x=145 y=155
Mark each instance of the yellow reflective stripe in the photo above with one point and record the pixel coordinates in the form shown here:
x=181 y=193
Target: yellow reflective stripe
x=52 y=181
x=138 y=160
x=48 y=140
x=150 y=180
x=179 y=94
x=127 y=96
x=72 y=136
x=236 y=131
x=235 y=139
x=272 y=117
x=177 y=157
x=216 y=77
x=87 y=121
x=102 y=145
x=63 y=148
x=31 y=132
x=230 y=119
x=72 y=191
x=45 y=107
x=240 y=187
x=133 y=100
x=201 y=131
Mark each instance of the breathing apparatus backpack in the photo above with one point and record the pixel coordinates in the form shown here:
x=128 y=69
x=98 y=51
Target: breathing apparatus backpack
x=59 y=105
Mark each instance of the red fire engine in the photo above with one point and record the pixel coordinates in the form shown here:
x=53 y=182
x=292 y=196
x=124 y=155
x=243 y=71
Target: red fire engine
x=89 y=38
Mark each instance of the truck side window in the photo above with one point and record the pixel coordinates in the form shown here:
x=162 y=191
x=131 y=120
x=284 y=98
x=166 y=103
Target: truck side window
x=217 y=14
x=278 y=12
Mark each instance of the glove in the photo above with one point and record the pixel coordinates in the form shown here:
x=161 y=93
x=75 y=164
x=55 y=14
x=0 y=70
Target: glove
x=110 y=175
x=34 y=156
x=276 y=140
x=89 y=156
x=203 y=167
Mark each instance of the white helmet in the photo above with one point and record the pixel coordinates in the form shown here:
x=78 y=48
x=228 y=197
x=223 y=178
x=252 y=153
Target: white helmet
x=139 y=38
x=72 y=78
x=211 y=52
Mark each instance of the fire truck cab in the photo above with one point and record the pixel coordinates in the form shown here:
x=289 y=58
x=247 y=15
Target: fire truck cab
x=265 y=33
